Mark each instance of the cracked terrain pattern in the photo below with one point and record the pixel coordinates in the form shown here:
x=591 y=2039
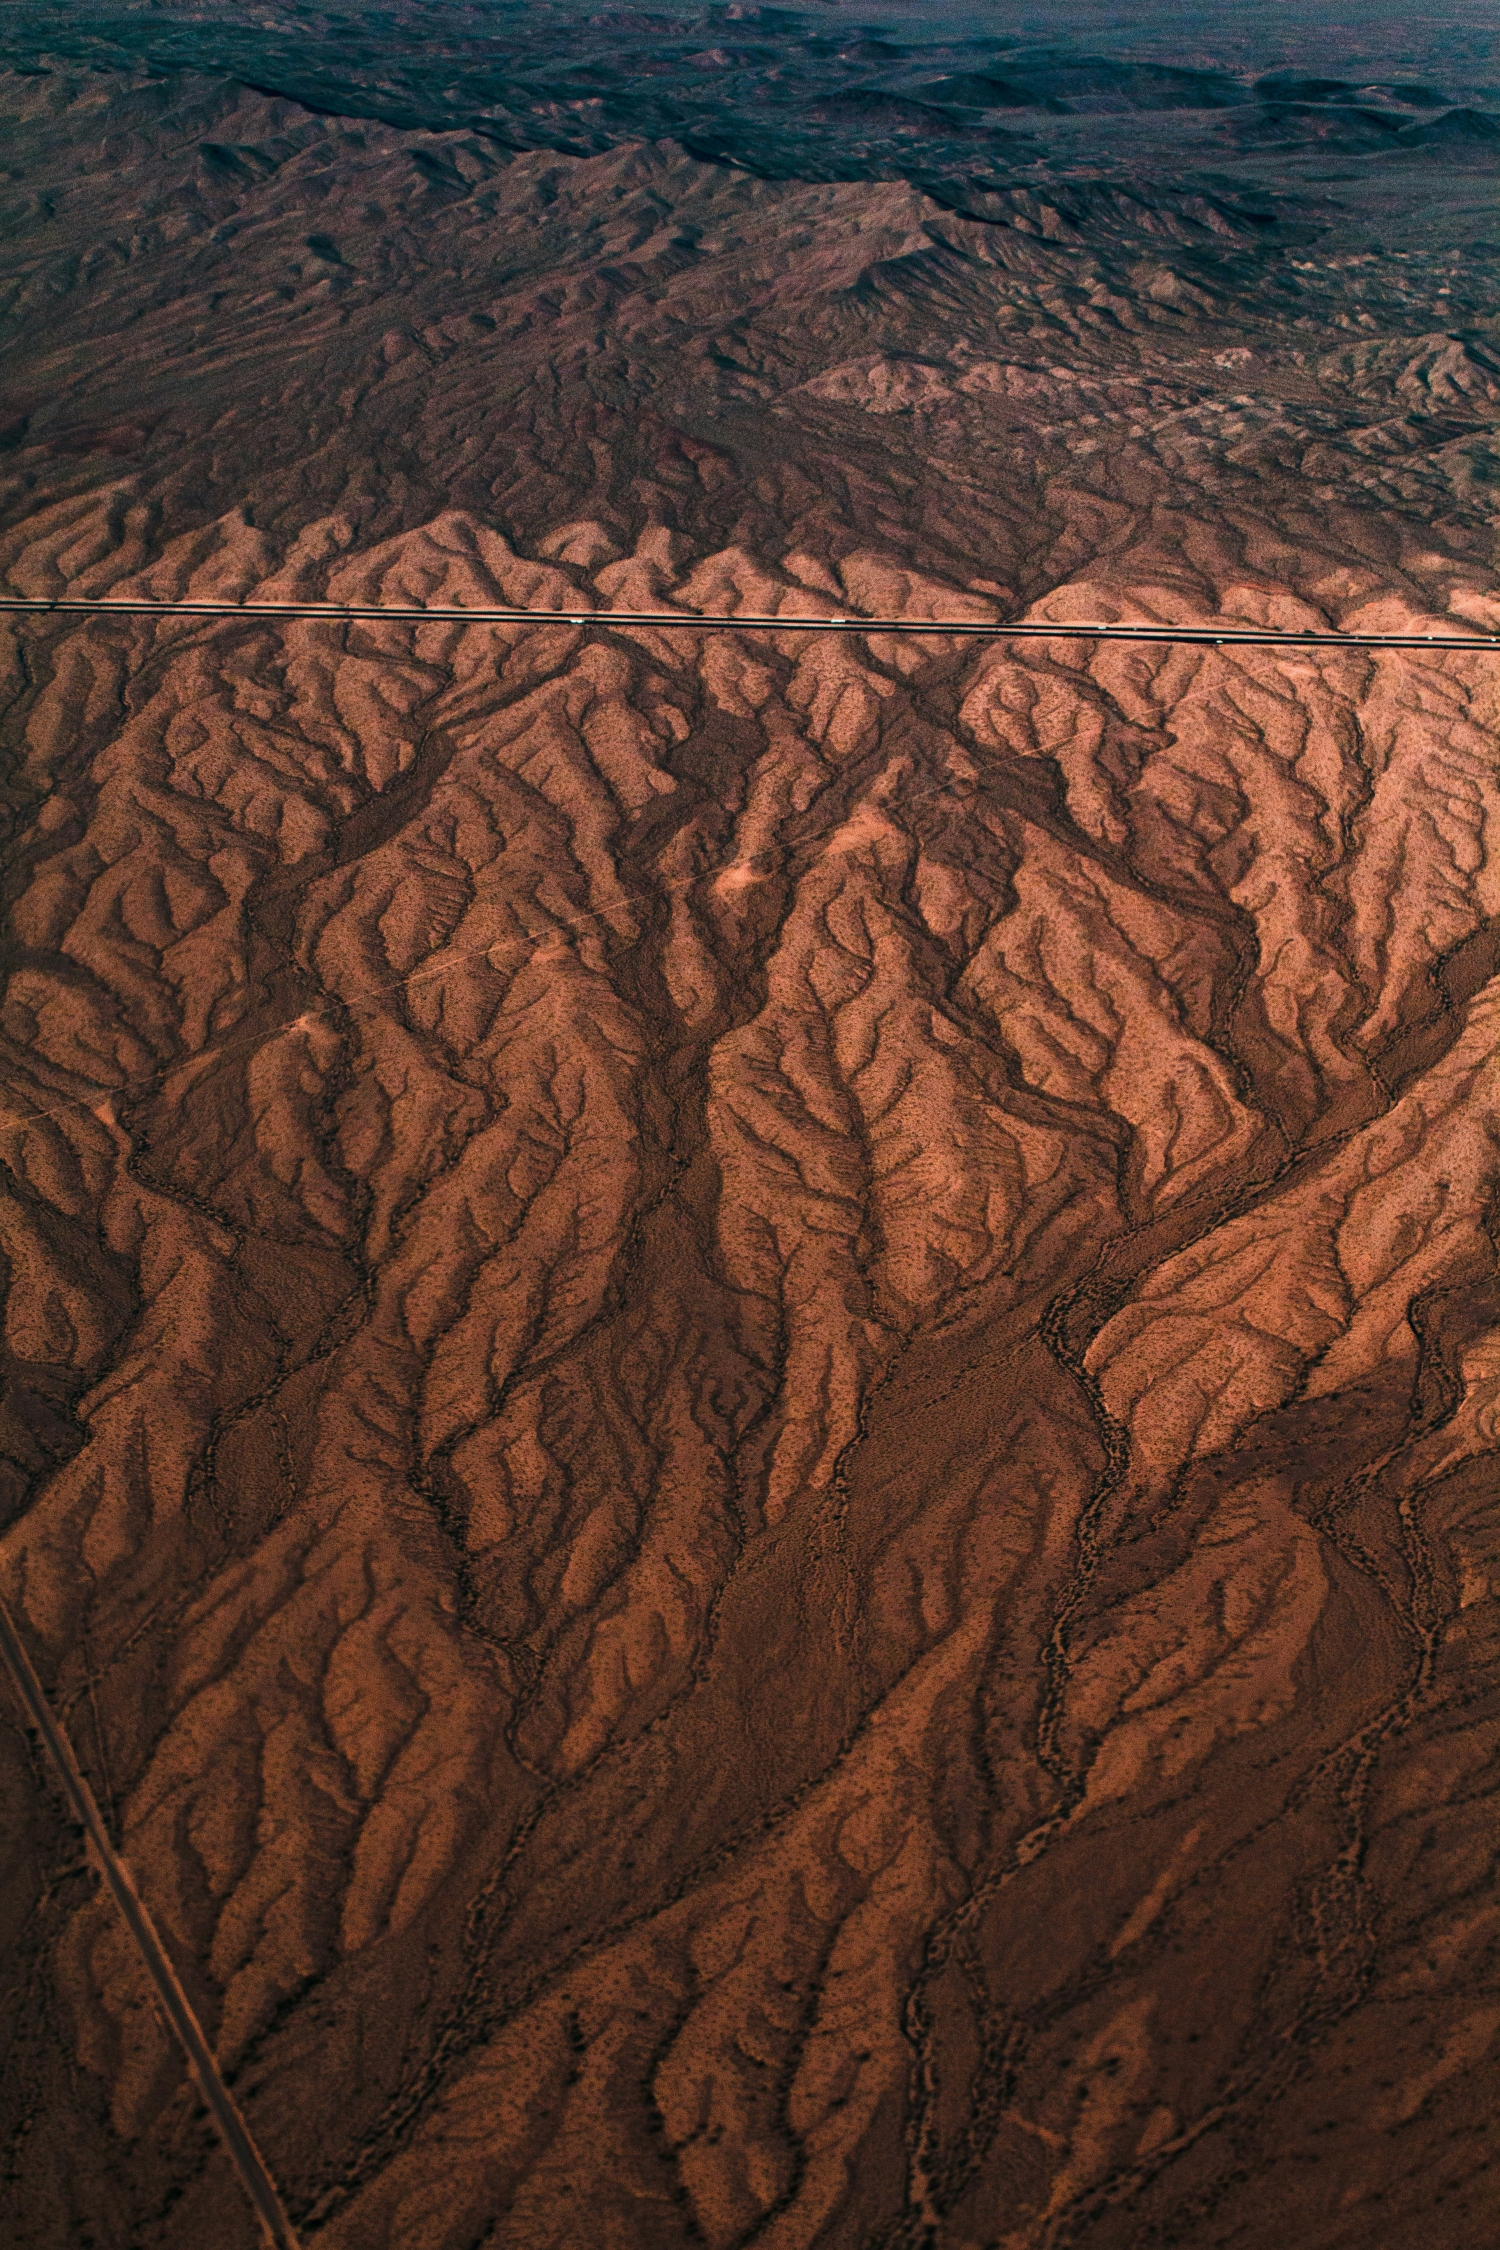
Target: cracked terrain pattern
x=752 y=1385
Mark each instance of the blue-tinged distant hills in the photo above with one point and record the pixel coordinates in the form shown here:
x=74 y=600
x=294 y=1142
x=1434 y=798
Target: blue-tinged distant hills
x=958 y=98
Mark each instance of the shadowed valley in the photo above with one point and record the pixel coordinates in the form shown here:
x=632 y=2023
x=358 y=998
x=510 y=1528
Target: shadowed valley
x=751 y=1380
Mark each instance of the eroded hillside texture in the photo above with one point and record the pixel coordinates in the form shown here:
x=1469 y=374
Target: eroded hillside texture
x=753 y=1381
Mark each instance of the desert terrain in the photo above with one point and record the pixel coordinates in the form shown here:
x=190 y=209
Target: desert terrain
x=752 y=1382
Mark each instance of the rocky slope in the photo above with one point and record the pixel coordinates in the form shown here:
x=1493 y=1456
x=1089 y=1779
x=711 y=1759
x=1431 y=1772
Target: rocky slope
x=752 y=1384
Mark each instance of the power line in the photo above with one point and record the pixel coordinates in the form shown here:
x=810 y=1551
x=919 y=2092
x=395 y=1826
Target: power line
x=175 y=2004
x=174 y=2001
x=1027 y=629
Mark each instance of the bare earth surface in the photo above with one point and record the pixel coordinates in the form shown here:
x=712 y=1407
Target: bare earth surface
x=752 y=1385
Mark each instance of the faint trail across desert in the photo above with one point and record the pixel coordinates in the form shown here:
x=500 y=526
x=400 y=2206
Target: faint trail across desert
x=750 y=1388
x=144 y=1936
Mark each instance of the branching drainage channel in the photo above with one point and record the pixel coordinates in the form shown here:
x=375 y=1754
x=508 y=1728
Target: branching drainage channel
x=174 y=2001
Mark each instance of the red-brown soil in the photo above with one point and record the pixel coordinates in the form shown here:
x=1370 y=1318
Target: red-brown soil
x=753 y=1384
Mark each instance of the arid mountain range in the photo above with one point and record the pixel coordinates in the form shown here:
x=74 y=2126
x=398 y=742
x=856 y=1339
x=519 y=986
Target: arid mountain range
x=753 y=1381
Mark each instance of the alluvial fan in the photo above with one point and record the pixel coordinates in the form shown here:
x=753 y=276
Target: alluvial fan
x=752 y=1380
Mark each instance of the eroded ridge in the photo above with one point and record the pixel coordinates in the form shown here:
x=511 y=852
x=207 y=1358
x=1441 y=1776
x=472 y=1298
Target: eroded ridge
x=645 y=1243
x=751 y=1388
